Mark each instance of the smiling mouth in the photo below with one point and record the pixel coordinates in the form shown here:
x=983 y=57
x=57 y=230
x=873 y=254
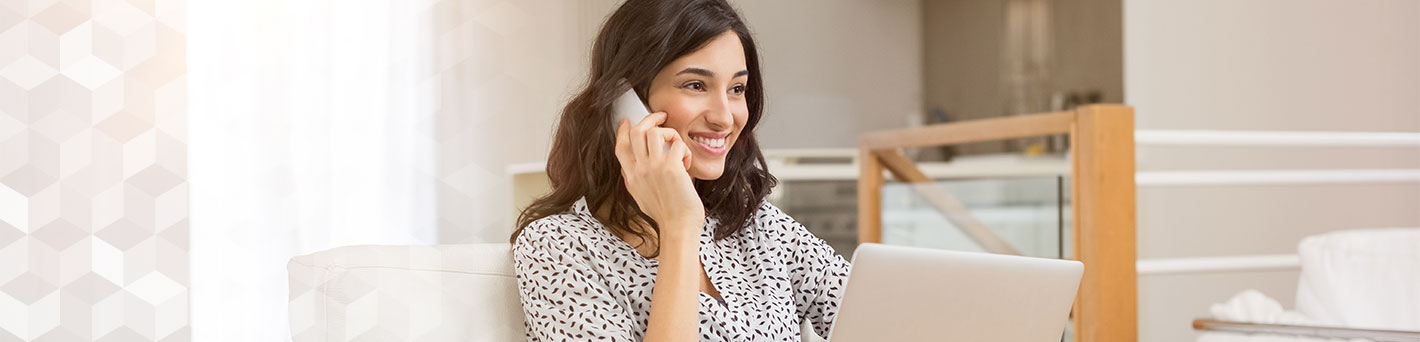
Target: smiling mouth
x=712 y=143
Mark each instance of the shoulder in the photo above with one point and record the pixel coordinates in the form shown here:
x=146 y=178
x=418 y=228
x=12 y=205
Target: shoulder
x=566 y=232
x=767 y=211
x=770 y=220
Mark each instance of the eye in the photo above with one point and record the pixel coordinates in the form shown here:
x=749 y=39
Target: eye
x=694 y=85
x=738 y=89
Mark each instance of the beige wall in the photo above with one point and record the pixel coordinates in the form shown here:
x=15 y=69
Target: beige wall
x=835 y=69
x=1284 y=65
x=965 y=56
x=1274 y=65
x=93 y=171
x=962 y=46
x=1088 y=47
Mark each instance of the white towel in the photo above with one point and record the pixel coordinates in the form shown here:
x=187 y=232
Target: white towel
x=1254 y=307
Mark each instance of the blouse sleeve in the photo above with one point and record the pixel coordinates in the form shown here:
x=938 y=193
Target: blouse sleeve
x=817 y=273
x=563 y=298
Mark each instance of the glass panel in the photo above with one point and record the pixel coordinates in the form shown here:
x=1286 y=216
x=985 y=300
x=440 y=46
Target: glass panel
x=1029 y=214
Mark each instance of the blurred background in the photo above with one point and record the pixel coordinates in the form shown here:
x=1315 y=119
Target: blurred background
x=161 y=160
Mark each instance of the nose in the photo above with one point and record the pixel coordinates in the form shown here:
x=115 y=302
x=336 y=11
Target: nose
x=717 y=113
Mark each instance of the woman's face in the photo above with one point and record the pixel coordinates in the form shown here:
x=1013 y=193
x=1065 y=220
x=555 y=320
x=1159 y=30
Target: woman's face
x=703 y=95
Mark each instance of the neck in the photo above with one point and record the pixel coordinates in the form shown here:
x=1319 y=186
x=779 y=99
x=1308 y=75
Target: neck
x=637 y=232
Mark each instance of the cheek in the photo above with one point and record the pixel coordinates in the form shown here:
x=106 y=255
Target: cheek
x=678 y=116
x=741 y=118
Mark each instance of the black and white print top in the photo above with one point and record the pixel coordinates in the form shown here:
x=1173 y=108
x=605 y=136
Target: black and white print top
x=579 y=282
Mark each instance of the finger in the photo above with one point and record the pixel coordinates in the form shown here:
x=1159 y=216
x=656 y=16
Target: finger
x=658 y=140
x=653 y=120
x=623 y=145
x=679 y=149
x=636 y=135
x=640 y=131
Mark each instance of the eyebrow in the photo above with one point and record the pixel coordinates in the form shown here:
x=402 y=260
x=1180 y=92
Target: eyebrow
x=708 y=73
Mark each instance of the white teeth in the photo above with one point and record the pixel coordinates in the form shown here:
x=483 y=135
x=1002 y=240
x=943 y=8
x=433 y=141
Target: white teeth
x=716 y=143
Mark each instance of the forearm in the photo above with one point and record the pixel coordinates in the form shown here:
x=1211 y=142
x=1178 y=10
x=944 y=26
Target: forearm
x=675 y=301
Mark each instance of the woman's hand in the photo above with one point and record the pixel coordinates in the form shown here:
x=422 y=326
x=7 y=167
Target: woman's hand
x=654 y=162
x=656 y=175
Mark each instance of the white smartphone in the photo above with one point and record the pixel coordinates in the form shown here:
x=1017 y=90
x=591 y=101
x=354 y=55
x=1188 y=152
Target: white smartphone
x=628 y=106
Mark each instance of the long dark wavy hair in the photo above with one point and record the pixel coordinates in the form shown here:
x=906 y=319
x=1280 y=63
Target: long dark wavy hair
x=635 y=43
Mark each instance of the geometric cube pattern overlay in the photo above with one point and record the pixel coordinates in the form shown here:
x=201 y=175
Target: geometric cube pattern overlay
x=93 y=171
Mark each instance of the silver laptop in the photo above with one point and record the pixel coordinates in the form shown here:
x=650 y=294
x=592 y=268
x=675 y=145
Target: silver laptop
x=916 y=294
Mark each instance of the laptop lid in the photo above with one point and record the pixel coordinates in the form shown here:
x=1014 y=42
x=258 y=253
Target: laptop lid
x=899 y=293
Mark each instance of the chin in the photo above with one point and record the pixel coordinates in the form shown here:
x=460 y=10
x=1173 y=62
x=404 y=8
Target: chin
x=706 y=172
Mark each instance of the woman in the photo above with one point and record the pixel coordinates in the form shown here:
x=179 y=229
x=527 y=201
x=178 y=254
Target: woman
x=640 y=241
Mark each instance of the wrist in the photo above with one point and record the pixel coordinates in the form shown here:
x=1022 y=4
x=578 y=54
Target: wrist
x=681 y=222
x=683 y=231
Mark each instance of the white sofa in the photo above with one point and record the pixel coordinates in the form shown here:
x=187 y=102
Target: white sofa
x=1357 y=279
x=405 y=293
x=410 y=293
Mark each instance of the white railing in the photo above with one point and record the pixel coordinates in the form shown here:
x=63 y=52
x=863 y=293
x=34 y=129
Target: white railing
x=1233 y=263
x=1202 y=138
x=1271 y=177
x=1273 y=138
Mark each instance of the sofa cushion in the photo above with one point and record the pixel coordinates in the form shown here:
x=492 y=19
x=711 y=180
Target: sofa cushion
x=1364 y=278
x=405 y=293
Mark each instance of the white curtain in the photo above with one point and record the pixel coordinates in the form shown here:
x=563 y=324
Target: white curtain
x=309 y=129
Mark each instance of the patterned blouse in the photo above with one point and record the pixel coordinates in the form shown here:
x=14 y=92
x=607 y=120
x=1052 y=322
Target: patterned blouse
x=581 y=283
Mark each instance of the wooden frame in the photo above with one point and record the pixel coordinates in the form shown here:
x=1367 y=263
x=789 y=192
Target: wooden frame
x=1102 y=179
